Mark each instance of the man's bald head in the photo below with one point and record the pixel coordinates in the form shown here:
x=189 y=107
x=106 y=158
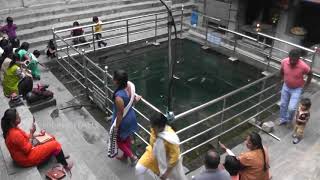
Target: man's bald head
x=212 y=160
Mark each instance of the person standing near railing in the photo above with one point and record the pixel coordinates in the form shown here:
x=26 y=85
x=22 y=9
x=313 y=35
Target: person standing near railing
x=124 y=122
x=292 y=71
x=98 y=30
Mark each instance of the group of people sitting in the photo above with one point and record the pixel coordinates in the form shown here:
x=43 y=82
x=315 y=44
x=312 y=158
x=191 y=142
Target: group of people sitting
x=19 y=67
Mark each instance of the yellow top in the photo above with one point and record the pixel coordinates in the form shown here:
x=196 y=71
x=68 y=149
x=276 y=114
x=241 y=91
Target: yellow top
x=98 y=26
x=149 y=161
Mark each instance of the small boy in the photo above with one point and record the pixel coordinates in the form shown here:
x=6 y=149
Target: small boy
x=10 y=30
x=302 y=117
x=98 y=30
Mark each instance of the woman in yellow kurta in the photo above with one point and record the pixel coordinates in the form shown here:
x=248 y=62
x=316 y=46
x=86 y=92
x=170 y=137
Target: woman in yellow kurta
x=162 y=156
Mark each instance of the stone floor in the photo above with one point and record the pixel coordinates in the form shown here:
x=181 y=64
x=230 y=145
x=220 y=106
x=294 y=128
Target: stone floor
x=287 y=160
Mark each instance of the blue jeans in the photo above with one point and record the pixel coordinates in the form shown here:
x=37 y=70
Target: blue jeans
x=289 y=102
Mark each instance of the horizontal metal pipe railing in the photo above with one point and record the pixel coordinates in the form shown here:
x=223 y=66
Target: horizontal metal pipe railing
x=287 y=42
x=237 y=33
x=109 y=76
x=113 y=29
x=226 y=109
x=198 y=108
x=209 y=17
x=226 y=131
x=227 y=120
x=115 y=21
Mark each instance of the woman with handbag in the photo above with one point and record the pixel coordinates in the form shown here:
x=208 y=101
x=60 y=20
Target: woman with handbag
x=20 y=146
x=124 y=122
x=162 y=156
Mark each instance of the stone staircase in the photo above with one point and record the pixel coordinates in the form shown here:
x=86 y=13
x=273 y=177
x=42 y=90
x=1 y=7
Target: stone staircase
x=35 y=23
x=80 y=135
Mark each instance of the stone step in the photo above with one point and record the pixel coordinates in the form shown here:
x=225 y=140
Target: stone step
x=45 y=34
x=59 y=8
x=10 y=170
x=80 y=169
x=87 y=136
x=3 y=173
x=65 y=17
x=47 y=30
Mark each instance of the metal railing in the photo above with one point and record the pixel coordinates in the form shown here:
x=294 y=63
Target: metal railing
x=122 y=31
x=260 y=95
x=253 y=105
x=268 y=53
x=95 y=80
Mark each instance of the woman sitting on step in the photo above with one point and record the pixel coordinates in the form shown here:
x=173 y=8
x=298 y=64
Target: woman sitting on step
x=16 y=80
x=20 y=146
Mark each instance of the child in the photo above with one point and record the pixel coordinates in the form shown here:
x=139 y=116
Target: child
x=33 y=64
x=98 y=30
x=302 y=117
x=77 y=32
x=10 y=30
x=51 y=52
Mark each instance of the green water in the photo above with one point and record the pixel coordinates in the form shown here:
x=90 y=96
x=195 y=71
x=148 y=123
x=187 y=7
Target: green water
x=200 y=75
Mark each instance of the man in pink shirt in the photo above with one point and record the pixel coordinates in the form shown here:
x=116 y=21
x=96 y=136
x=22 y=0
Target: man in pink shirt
x=292 y=70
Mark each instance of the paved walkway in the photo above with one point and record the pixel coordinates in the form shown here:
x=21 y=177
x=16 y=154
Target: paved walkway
x=287 y=160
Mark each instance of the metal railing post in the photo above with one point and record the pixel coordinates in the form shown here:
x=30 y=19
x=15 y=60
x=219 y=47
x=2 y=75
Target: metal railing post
x=222 y=118
x=263 y=86
x=156 y=30
x=55 y=41
x=313 y=57
x=68 y=54
x=235 y=44
x=93 y=40
x=85 y=72
x=181 y=23
x=222 y=114
x=127 y=25
x=106 y=91
x=270 y=56
x=207 y=29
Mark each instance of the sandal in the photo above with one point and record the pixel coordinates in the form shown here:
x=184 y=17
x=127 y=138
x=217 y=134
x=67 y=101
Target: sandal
x=134 y=161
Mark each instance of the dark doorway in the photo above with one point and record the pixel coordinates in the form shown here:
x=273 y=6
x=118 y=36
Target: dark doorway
x=309 y=19
x=260 y=10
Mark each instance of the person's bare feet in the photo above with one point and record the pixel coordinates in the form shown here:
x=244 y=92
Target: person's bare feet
x=68 y=167
x=67 y=157
x=121 y=158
